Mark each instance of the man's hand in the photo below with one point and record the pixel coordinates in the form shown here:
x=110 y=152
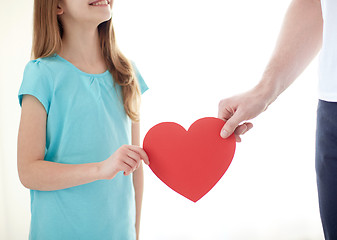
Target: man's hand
x=239 y=108
x=299 y=41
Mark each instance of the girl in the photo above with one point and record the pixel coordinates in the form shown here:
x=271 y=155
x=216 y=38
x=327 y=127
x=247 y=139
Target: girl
x=80 y=109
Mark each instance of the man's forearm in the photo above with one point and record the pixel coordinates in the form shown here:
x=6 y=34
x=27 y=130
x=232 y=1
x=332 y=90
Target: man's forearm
x=299 y=41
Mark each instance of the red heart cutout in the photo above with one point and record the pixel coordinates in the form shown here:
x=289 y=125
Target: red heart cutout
x=190 y=162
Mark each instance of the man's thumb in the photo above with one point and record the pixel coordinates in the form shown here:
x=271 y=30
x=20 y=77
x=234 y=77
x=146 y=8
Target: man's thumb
x=230 y=126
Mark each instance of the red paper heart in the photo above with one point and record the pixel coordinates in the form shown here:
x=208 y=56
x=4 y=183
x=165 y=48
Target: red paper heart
x=190 y=162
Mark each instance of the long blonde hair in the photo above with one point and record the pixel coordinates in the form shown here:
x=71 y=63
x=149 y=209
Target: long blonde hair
x=47 y=40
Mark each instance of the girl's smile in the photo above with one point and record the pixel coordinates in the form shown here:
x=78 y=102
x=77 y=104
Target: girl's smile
x=100 y=3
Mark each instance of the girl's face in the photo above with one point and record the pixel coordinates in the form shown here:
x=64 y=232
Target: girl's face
x=91 y=12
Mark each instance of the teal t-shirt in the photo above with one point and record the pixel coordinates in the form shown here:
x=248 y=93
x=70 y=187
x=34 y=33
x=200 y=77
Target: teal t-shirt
x=86 y=123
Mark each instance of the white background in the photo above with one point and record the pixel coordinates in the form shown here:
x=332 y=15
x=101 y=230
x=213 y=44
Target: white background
x=192 y=54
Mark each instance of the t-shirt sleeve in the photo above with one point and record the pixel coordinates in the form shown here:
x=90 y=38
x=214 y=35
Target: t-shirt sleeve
x=36 y=81
x=143 y=86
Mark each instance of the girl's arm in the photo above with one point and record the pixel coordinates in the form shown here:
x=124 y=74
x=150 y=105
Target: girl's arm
x=38 y=174
x=34 y=172
x=138 y=178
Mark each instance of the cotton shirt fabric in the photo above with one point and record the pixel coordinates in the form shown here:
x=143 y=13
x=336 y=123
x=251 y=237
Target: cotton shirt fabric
x=327 y=87
x=86 y=123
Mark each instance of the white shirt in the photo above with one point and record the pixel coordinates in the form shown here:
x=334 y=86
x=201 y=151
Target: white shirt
x=327 y=85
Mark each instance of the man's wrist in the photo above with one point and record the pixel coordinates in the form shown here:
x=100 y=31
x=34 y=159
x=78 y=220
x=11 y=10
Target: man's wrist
x=267 y=91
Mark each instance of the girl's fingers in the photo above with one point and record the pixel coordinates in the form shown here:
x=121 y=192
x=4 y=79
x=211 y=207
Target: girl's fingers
x=130 y=163
x=133 y=155
x=141 y=152
x=127 y=169
x=140 y=162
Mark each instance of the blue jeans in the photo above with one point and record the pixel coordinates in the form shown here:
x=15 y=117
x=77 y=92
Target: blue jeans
x=326 y=166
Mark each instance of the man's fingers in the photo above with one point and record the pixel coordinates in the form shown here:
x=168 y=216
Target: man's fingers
x=243 y=128
x=237 y=138
x=240 y=129
x=231 y=125
x=249 y=126
x=225 y=113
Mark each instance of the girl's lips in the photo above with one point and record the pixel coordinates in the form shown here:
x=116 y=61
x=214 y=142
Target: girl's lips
x=99 y=1
x=101 y=5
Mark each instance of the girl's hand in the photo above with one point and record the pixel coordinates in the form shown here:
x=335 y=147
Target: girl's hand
x=127 y=158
